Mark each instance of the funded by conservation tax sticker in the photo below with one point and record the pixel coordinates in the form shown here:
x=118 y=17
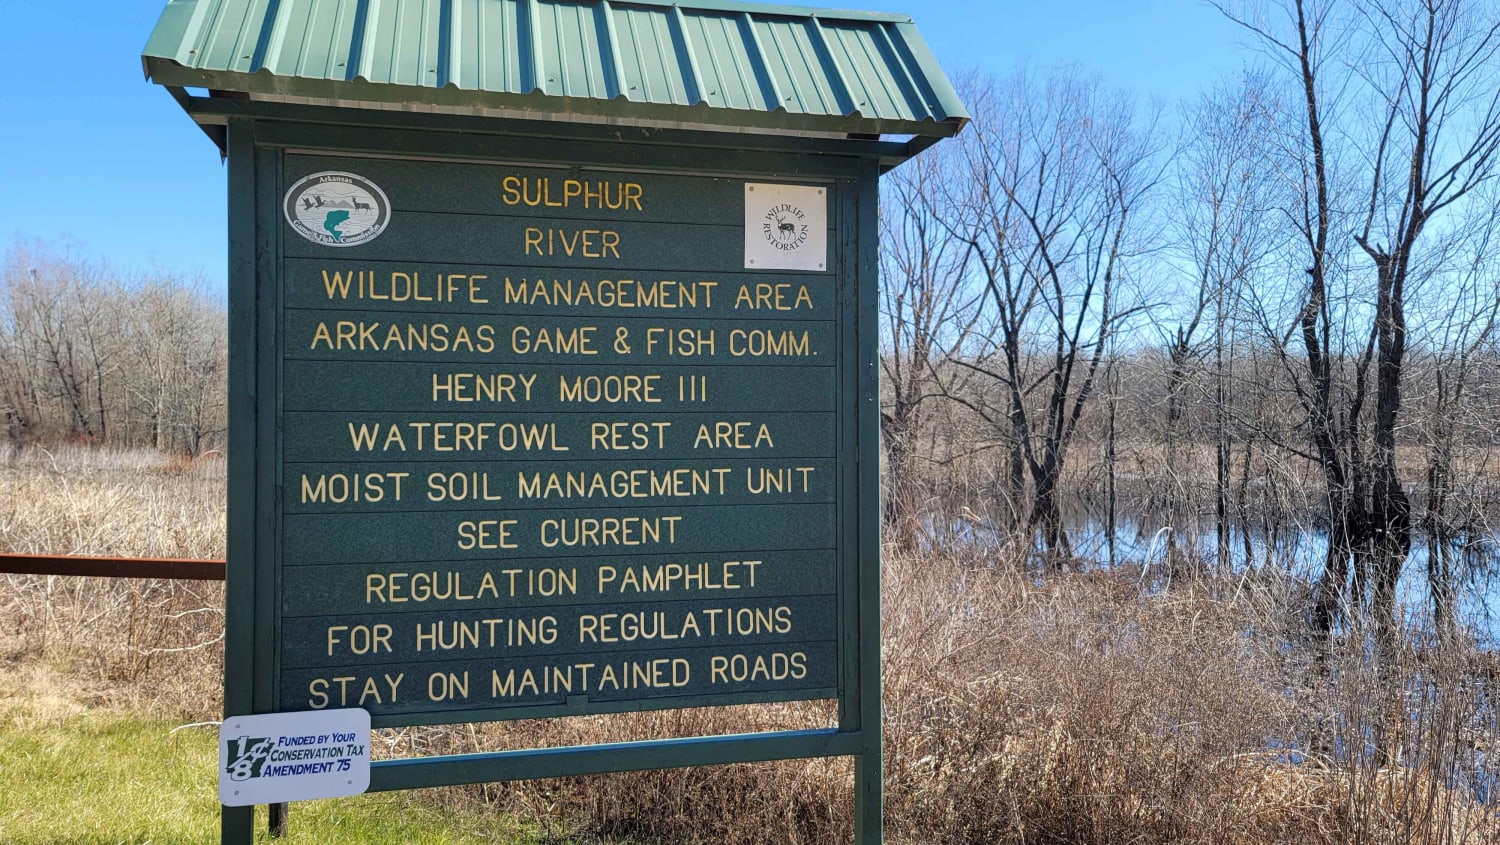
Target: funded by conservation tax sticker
x=786 y=227
x=277 y=757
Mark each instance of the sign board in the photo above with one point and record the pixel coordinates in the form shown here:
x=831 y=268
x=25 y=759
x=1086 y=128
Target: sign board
x=530 y=426
x=554 y=378
x=278 y=757
x=553 y=440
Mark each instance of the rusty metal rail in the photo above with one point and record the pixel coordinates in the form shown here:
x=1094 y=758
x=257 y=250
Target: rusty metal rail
x=113 y=567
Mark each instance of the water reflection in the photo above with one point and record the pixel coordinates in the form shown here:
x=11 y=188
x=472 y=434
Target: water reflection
x=1156 y=549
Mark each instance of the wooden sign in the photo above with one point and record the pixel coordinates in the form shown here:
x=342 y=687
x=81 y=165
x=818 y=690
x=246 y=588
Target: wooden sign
x=554 y=440
x=554 y=366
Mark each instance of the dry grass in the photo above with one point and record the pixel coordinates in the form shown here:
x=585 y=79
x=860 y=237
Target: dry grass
x=143 y=643
x=1085 y=708
x=134 y=503
x=1081 y=710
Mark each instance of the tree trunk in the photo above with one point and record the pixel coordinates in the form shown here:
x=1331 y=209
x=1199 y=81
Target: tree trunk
x=1046 y=516
x=900 y=514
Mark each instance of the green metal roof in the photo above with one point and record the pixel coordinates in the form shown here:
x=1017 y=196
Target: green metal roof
x=713 y=63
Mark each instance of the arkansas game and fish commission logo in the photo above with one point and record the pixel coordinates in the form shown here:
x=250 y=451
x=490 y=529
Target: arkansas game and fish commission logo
x=783 y=227
x=337 y=209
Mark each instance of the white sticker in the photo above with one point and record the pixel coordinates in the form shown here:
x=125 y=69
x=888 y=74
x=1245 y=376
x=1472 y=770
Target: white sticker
x=334 y=208
x=786 y=227
x=278 y=757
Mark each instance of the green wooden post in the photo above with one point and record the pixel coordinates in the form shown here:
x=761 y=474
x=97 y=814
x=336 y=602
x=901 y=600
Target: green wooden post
x=239 y=587
x=869 y=766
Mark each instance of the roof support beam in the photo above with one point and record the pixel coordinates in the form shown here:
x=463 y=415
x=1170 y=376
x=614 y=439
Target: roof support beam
x=220 y=110
x=216 y=132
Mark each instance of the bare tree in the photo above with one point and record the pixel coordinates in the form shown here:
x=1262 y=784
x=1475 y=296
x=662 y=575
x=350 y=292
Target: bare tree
x=925 y=310
x=1057 y=174
x=46 y=306
x=89 y=355
x=1404 y=125
x=1225 y=239
x=177 y=354
x=1454 y=412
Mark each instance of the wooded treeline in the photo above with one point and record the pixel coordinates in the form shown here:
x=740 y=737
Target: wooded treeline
x=90 y=355
x=1274 y=309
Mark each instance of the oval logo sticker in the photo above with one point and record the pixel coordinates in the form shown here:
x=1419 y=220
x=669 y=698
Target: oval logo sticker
x=337 y=209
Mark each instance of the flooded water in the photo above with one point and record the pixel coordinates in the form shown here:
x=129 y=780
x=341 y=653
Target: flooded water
x=1150 y=547
x=1146 y=550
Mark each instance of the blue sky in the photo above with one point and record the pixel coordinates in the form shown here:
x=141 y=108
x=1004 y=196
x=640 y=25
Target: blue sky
x=98 y=162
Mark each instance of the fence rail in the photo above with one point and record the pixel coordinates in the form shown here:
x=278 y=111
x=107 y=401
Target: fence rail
x=113 y=567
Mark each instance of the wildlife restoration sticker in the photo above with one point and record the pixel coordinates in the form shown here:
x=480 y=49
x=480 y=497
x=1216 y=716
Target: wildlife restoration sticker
x=786 y=227
x=334 y=208
x=277 y=757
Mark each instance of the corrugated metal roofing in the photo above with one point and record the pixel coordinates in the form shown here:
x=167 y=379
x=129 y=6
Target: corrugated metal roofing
x=717 y=63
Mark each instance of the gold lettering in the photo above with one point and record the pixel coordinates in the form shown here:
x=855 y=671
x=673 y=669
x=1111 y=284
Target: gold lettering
x=623 y=436
x=608 y=531
x=486 y=534
x=482 y=387
x=733 y=435
x=541 y=191
x=769 y=296
x=611 y=389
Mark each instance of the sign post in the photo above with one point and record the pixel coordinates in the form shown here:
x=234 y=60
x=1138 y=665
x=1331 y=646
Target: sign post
x=549 y=418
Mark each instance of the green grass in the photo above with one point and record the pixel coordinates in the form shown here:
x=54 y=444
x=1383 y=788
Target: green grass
x=111 y=778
